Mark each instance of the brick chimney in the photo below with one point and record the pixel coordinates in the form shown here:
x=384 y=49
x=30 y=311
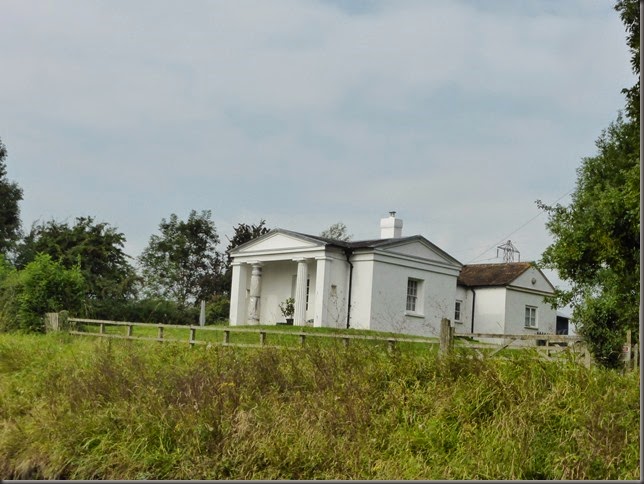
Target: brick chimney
x=391 y=227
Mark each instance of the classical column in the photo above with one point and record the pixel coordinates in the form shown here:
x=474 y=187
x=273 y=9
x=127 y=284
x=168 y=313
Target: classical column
x=300 y=292
x=322 y=280
x=238 y=294
x=255 y=292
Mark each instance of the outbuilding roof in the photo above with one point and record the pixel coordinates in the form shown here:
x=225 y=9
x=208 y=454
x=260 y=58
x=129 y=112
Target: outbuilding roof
x=478 y=275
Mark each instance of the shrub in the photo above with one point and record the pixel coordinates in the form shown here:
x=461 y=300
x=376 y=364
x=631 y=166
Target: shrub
x=42 y=286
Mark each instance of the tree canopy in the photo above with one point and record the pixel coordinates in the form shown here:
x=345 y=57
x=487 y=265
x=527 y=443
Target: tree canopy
x=596 y=244
x=182 y=263
x=10 y=196
x=97 y=248
x=337 y=231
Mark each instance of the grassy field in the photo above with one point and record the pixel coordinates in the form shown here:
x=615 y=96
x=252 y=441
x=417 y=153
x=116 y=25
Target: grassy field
x=83 y=408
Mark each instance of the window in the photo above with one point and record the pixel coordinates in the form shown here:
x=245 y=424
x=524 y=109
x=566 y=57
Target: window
x=457 y=311
x=308 y=286
x=412 y=294
x=530 y=317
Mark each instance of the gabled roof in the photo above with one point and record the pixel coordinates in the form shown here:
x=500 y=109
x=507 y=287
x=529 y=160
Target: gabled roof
x=479 y=275
x=351 y=245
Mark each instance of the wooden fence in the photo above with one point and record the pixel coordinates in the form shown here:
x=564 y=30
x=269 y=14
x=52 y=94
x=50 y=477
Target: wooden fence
x=549 y=346
x=226 y=333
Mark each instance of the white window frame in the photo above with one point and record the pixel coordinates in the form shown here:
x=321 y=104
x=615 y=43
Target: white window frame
x=458 y=311
x=414 y=297
x=530 y=317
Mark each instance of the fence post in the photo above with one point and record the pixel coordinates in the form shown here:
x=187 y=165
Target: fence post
x=226 y=336
x=636 y=356
x=262 y=338
x=160 y=334
x=587 y=358
x=101 y=328
x=626 y=351
x=391 y=344
x=129 y=330
x=51 y=322
x=446 y=336
x=302 y=338
x=192 y=336
x=345 y=341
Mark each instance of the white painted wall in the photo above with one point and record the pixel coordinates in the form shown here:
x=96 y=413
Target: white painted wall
x=361 y=290
x=465 y=296
x=336 y=304
x=516 y=302
x=437 y=293
x=489 y=310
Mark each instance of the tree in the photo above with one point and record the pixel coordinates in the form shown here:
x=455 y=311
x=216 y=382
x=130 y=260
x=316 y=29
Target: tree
x=245 y=233
x=182 y=264
x=337 y=231
x=629 y=12
x=596 y=244
x=97 y=248
x=44 y=285
x=10 y=196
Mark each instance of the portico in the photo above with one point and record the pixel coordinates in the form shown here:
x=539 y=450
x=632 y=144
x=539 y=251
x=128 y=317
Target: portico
x=262 y=278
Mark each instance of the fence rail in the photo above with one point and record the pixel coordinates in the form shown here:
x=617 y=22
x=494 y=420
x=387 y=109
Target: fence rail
x=227 y=331
x=551 y=344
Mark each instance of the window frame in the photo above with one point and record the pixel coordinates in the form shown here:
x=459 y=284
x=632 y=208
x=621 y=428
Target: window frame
x=458 y=311
x=530 y=320
x=414 y=297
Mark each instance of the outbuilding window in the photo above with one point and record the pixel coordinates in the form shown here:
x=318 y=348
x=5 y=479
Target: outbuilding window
x=530 y=317
x=457 y=312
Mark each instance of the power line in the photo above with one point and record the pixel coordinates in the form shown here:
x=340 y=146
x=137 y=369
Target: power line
x=516 y=230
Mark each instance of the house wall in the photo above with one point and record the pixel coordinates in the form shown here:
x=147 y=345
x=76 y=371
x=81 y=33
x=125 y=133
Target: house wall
x=335 y=307
x=361 y=289
x=465 y=324
x=489 y=310
x=389 y=296
x=516 y=302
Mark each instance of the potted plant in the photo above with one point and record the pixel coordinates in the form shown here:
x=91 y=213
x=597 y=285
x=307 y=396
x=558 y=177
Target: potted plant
x=288 y=309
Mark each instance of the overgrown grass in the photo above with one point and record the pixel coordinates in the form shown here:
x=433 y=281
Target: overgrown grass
x=100 y=409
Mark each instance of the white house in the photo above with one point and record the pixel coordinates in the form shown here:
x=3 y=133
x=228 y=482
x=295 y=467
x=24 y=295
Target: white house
x=504 y=298
x=394 y=283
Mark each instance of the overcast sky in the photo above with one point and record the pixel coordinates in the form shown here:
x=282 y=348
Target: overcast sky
x=456 y=114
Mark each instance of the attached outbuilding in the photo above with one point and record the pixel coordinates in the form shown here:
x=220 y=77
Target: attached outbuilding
x=506 y=298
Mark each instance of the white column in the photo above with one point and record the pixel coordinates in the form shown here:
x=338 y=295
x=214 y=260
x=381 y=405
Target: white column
x=322 y=279
x=300 y=292
x=238 y=294
x=255 y=293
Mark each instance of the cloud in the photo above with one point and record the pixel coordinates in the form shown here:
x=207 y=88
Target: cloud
x=457 y=114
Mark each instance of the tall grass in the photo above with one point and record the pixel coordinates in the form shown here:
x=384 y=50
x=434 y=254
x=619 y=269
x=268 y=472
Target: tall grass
x=88 y=409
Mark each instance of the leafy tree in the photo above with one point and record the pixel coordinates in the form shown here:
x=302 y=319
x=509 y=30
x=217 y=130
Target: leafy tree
x=10 y=195
x=245 y=233
x=337 y=231
x=182 y=264
x=44 y=285
x=596 y=238
x=630 y=14
x=96 y=247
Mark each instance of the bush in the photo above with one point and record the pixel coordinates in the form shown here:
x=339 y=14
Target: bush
x=42 y=286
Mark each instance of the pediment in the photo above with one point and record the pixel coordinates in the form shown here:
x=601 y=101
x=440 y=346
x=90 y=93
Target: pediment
x=422 y=250
x=276 y=242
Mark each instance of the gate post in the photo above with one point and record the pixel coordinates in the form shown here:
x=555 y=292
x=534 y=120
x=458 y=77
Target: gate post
x=446 y=336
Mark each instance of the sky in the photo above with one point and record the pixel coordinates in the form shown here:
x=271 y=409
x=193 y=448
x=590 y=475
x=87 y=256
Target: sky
x=458 y=115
